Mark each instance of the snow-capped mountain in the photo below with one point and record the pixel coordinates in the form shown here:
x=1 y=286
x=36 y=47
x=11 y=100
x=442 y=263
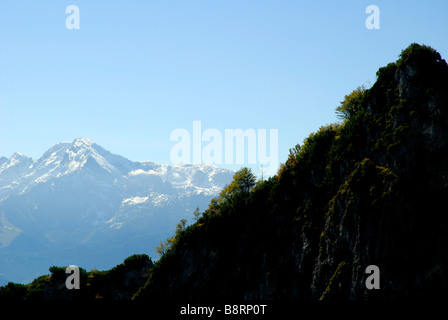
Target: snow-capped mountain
x=80 y=204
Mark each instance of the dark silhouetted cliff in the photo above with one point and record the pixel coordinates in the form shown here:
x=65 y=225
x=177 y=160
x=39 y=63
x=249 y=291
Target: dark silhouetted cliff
x=370 y=190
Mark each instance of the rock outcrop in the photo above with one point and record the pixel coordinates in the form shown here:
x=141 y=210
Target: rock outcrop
x=368 y=191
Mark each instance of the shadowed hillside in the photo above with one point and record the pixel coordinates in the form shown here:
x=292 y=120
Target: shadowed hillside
x=367 y=191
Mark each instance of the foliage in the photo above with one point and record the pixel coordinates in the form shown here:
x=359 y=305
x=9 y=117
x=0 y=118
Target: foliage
x=120 y=282
x=242 y=183
x=417 y=53
x=351 y=103
x=164 y=247
x=136 y=261
x=13 y=292
x=196 y=214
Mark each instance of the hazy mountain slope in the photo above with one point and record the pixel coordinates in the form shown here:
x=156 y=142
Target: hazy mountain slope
x=80 y=204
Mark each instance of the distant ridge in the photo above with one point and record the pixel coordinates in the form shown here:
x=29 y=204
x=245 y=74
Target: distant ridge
x=102 y=205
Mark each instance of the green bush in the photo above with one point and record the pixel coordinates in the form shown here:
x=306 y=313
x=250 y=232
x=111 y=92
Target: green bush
x=351 y=104
x=13 y=292
x=137 y=261
x=417 y=53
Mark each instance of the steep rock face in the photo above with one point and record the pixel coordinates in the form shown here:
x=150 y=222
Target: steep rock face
x=359 y=221
x=392 y=217
x=368 y=191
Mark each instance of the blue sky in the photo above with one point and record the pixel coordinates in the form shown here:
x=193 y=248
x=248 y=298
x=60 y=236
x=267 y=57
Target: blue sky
x=137 y=70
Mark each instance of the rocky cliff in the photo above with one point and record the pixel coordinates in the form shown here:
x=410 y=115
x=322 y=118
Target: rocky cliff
x=370 y=190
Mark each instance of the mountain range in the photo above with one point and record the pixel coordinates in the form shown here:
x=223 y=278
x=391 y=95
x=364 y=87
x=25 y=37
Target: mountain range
x=80 y=204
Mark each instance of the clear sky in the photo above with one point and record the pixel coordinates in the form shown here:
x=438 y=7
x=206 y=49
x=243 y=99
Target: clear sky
x=137 y=70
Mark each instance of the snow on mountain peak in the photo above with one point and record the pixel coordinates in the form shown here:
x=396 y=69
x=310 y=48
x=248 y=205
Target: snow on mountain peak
x=80 y=193
x=92 y=161
x=16 y=159
x=82 y=142
x=17 y=155
x=62 y=159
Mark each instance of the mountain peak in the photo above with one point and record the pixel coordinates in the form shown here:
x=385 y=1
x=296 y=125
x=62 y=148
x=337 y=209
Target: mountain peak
x=79 y=192
x=18 y=155
x=79 y=142
x=17 y=158
x=88 y=160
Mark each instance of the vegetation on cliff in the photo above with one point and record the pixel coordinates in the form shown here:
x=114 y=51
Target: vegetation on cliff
x=360 y=192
